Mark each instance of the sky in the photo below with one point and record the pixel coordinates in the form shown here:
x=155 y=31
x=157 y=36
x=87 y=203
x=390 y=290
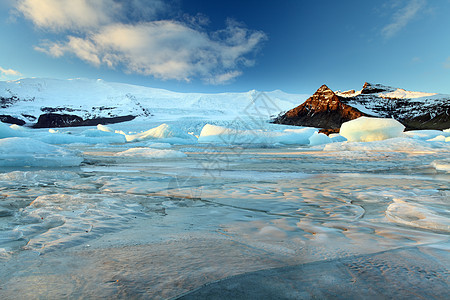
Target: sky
x=230 y=46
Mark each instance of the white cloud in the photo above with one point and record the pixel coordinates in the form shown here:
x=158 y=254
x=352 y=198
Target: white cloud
x=68 y=14
x=402 y=17
x=6 y=74
x=126 y=35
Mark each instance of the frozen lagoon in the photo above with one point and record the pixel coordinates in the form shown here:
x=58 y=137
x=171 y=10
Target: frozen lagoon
x=289 y=221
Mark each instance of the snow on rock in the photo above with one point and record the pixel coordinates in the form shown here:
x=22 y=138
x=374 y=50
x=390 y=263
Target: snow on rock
x=222 y=135
x=151 y=153
x=319 y=139
x=403 y=94
x=394 y=144
x=27 y=152
x=366 y=129
x=164 y=133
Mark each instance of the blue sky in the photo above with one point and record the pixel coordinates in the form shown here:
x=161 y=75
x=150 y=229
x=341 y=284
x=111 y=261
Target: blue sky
x=219 y=46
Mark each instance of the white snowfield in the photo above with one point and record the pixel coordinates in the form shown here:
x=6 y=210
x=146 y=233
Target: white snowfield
x=97 y=98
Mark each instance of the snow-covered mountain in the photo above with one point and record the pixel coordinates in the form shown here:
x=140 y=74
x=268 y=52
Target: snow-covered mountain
x=28 y=99
x=416 y=110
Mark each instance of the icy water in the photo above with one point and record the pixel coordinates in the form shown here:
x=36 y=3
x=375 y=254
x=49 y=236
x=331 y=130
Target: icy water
x=133 y=227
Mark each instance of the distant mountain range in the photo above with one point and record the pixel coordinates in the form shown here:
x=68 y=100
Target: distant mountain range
x=79 y=102
x=41 y=103
x=328 y=110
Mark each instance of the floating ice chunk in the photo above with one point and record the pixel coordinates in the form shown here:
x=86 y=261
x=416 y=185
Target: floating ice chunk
x=51 y=130
x=151 y=153
x=6 y=131
x=106 y=136
x=319 y=139
x=442 y=165
x=336 y=138
x=104 y=128
x=222 y=135
x=426 y=134
x=395 y=144
x=417 y=215
x=17 y=127
x=439 y=138
x=163 y=132
x=365 y=129
x=21 y=152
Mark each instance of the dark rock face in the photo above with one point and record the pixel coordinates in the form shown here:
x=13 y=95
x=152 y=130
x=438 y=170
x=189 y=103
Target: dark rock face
x=430 y=112
x=323 y=110
x=51 y=120
x=57 y=120
x=11 y=120
x=370 y=88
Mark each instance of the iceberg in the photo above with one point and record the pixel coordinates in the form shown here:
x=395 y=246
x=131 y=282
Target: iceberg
x=164 y=133
x=6 y=131
x=27 y=152
x=222 y=135
x=366 y=129
x=319 y=139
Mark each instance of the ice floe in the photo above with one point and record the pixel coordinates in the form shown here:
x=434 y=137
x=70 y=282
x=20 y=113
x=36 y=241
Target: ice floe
x=27 y=152
x=365 y=129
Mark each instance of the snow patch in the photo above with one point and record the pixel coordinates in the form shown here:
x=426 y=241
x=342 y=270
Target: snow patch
x=403 y=94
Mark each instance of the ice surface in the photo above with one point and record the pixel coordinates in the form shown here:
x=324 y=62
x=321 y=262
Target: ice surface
x=23 y=152
x=159 y=145
x=151 y=153
x=222 y=135
x=417 y=215
x=106 y=136
x=207 y=211
x=394 y=144
x=319 y=139
x=366 y=129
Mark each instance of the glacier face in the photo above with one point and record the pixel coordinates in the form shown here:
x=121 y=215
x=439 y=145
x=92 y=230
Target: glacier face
x=27 y=99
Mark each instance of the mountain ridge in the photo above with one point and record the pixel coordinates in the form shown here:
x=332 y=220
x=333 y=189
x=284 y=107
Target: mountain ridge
x=416 y=110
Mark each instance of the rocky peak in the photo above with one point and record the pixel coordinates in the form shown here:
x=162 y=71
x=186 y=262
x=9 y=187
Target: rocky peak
x=371 y=88
x=322 y=110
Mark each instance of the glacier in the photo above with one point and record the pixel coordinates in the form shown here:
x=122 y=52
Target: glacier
x=180 y=205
